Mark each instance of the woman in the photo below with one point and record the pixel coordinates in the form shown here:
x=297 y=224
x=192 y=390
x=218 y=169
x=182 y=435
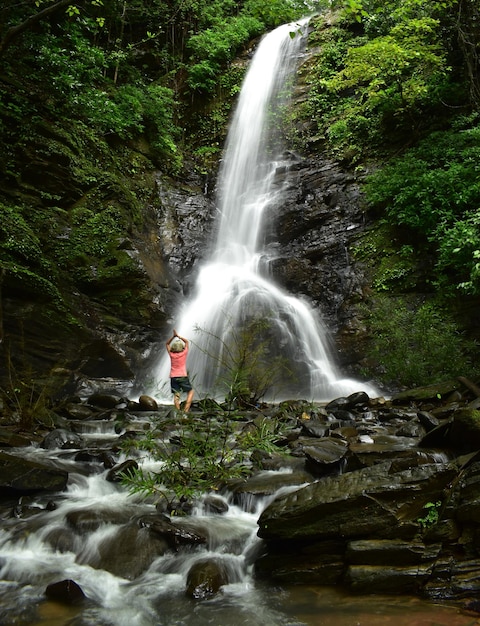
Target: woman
x=177 y=348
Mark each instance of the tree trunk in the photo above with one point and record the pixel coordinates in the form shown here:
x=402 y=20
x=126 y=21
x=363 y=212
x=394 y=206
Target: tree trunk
x=468 y=29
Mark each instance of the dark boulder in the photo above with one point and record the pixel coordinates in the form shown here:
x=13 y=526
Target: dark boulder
x=205 y=578
x=21 y=477
x=61 y=438
x=325 y=456
x=66 y=592
x=146 y=403
x=127 y=552
x=356 y=505
x=104 y=400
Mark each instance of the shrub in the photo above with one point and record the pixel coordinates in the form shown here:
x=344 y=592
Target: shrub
x=414 y=345
x=433 y=190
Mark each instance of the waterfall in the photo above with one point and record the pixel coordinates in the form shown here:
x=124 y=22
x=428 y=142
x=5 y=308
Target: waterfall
x=236 y=307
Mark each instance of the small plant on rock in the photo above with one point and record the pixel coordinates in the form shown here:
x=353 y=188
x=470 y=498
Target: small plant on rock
x=432 y=514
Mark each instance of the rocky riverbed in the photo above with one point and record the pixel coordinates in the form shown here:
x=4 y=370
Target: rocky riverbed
x=376 y=495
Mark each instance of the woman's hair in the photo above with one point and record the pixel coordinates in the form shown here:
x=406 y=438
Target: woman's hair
x=177 y=345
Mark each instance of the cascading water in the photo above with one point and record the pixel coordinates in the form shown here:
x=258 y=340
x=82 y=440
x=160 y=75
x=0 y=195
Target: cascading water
x=42 y=545
x=233 y=289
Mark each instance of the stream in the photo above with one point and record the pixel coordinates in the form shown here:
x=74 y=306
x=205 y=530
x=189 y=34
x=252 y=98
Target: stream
x=41 y=545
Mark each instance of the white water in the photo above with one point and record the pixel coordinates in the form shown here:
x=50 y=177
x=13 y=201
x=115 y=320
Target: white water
x=233 y=288
x=44 y=548
x=30 y=559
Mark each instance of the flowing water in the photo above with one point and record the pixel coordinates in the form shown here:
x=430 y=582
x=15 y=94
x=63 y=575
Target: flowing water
x=233 y=289
x=39 y=548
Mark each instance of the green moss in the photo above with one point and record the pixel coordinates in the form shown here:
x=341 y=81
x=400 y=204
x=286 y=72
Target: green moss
x=394 y=266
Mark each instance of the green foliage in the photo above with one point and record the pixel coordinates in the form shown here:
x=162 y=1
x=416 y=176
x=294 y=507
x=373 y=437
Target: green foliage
x=89 y=248
x=21 y=255
x=225 y=34
x=434 y=191
x=393 y=72
x=460 y=251
x=207 y=452
x=76 y=75
x=216 y=46
x=414 y=345
x=200 y=460
x=432 y=514
x=277 y=12
x=263 y=436
x=383 y=84
x=243 y=363
x=17 y=239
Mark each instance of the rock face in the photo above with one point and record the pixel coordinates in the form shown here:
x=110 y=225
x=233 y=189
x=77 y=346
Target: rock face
x=395 y=520
x=310 y=236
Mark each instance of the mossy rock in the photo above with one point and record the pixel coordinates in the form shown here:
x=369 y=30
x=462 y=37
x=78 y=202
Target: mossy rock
x=437 y=391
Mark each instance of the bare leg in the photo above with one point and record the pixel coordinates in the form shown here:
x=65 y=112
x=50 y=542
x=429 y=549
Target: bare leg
x=176 y=401
x=188 y=402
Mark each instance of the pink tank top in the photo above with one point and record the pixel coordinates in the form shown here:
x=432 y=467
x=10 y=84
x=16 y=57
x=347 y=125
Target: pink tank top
x=178 y=363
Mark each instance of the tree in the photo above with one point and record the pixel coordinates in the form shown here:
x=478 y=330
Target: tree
x=27 y=24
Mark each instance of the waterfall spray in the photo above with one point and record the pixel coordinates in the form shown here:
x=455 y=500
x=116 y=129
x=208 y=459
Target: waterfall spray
x=233 y=291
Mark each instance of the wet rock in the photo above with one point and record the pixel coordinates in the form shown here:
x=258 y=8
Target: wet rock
x=215 y=505
x=320 y=563
x=349 y=433
x=99 y=357
x=205 y=578
x=61 y=539
x=66 y=592
x=356 y=504
x=103 y=457
x=85 y=520
x=387 y=578
x=326 y=456
x=430 y=392
x=78 y=411
x=337 y=405
x=127 y=467
x=453 y=578
x=413 y=428
x=176 y=535
x=438 y=437
x=126 y=553
x=266 y=483
x=104 y=400
x=465 y=430
x=146 y=403
x=314 y=428
x=23 y=509
x=61 y=438
x=346 y=418
x=468 y=505
x=9 y=439
x=427 y=420
x=358 y=398
x=22 y=477
x=393 y=552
